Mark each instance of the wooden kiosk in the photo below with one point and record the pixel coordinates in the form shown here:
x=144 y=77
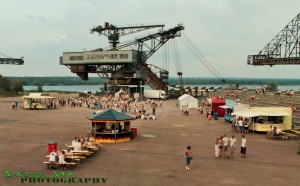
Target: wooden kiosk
x=110 y=126
x=36 y=101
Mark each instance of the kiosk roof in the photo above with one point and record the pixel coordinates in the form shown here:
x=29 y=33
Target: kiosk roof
x=110 y=115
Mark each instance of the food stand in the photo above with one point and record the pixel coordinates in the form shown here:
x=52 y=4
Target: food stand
x=264 y=117
x=36 y=101
x=110 y=126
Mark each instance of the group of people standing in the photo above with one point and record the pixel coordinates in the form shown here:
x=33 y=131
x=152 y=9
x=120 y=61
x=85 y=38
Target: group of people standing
x=240 y=125
x=224 y=148
x=223 y=145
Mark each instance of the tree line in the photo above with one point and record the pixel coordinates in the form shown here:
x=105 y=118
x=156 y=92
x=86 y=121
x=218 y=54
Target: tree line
x=7 y=86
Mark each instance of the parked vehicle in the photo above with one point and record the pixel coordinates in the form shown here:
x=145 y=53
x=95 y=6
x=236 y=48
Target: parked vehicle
x=155 y=94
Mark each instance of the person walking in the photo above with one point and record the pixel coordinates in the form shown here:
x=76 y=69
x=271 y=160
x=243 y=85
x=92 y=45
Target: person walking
x=153 y=106
x=232 y=144
x=243 y=147
x=209 y=117
x=187 y=157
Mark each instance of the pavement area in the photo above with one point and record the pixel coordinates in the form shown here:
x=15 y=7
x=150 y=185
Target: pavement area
x=154 y=157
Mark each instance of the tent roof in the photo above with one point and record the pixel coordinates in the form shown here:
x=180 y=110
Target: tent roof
x=121 y=91
x=218 y=100
x=109 y=115
x=185 y=96
x=38 y=96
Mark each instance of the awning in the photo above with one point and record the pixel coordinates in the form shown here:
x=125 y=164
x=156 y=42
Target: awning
x=275 y=113
x=225 y=106
x=249 y=113
x=246 y=113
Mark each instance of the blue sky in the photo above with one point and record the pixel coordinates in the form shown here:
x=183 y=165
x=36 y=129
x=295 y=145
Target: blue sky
x=224 y=31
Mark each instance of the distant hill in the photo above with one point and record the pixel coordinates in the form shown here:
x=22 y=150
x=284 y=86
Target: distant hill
x=52 y=81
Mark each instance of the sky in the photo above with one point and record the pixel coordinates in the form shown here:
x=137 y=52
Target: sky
x=224 y=31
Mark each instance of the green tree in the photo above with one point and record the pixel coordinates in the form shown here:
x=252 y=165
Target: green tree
x=17 y=86
x=40 y=88
x=272 y=86
x=5 y=84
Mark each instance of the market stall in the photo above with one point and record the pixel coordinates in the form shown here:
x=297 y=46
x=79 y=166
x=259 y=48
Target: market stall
x=37 y=101
x=216 y=103
x=110 y=126
x=264 y=117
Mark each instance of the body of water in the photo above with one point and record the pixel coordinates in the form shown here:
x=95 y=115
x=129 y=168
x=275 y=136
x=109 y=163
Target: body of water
x=97 y=88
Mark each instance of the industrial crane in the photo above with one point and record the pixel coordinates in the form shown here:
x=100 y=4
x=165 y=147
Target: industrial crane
x=11 y=61
x=113 y=33
x=124 y=66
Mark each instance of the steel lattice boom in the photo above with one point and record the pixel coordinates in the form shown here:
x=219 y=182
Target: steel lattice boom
x=10 y=61
x=113 y=32
x=284 y=48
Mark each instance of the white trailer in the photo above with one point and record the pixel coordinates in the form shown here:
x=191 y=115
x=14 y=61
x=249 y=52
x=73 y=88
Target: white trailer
x=155 y=94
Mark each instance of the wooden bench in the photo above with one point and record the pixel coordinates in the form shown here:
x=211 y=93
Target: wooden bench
x=289 y=135
x=98 y=144
x=83 y=154
x=49 y=164
x=296 y=132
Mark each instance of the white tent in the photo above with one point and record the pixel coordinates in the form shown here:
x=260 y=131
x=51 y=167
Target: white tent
x=189 y=100
x=121 y=91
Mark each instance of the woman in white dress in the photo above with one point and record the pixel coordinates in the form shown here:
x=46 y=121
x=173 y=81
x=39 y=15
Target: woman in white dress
x=217 y=147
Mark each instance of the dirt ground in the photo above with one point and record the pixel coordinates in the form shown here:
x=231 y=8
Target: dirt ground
x=154 y=157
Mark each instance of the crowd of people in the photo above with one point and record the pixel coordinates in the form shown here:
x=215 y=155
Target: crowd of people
x=130 y=106
x=61 y=156
x=240 y=125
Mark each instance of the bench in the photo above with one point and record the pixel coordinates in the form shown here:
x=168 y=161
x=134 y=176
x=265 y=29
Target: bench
x=49 y=164
x=296 y=132
x=83 y=154
x=289 y=135
x=98 y=144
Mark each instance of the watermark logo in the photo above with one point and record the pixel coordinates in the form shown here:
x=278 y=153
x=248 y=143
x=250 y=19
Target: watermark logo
x=58 y=177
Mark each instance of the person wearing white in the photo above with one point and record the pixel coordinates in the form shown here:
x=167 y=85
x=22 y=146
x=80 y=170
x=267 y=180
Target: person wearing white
x=77 y=146
x=61 y=157
x=225 y=145
x=74 y=141
x=69 y=152
x=53 y=155
x=216 y=148
x=243 y=147
x=232 y=144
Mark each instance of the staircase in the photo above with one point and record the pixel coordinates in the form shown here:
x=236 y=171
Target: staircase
x=153 y=81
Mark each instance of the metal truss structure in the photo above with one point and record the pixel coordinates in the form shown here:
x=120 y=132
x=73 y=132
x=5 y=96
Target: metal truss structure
x=284 y=48
x=11 y=61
